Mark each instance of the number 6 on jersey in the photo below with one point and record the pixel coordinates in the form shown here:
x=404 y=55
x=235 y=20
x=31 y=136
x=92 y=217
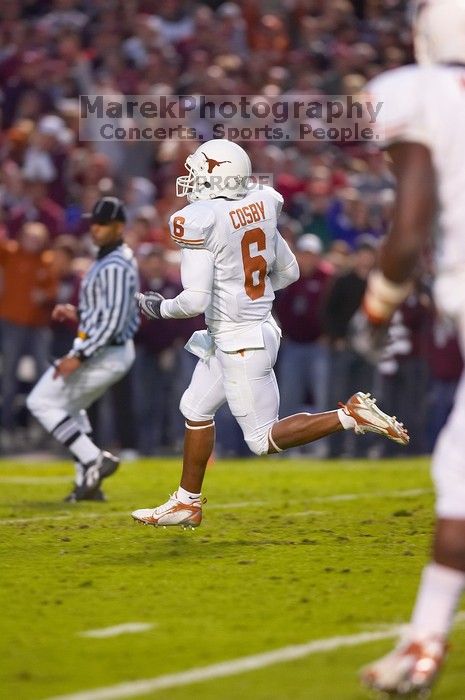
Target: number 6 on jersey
x=255 y=266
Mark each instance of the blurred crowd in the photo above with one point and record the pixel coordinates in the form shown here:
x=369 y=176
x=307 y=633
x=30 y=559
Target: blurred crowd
x=337 y=202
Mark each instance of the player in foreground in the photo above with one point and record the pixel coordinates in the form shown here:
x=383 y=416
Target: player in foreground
x=424 y=119
x=102 y=353
x=233 y=260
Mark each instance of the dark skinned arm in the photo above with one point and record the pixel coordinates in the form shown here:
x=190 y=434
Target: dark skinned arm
x=390 y=284
x=414 y=210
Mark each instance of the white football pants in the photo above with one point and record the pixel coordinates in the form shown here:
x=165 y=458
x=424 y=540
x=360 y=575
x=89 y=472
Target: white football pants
x=52 y=400
x=448 y=467
x=246 y=380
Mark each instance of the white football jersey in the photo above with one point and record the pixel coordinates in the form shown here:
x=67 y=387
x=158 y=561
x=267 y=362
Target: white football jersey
x=246 y=246
x=426 y=104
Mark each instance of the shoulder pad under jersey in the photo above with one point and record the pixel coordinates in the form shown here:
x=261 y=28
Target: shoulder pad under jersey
x=189 y=227
x=272 y=194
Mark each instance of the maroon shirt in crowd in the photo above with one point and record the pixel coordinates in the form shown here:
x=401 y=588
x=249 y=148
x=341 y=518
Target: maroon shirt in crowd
x=299 y=306
x=407 y=335
x=161 y=335
x=47 y=212
x=444 y=357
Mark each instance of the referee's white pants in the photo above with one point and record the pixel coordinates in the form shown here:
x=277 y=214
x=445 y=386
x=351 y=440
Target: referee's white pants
x=246 y=380
x=448 y=467
x=52 y=400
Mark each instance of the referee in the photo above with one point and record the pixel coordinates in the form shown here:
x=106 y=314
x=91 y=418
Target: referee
x=102 y=352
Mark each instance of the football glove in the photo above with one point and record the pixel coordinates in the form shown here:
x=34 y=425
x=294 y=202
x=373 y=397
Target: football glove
x=366 y=338
x=149 y=304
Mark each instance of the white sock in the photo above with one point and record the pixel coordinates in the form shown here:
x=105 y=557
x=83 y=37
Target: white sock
x=84 y=449
x=186 y=496
x=79 y=473
x=437 y=599
x=347 y=422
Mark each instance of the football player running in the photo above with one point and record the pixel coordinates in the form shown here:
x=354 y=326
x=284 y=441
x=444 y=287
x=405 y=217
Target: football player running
x=233 y=260
x=423 y=125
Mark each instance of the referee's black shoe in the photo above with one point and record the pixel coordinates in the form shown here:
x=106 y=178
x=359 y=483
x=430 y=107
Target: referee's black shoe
x=105 y=465
x=77 y=495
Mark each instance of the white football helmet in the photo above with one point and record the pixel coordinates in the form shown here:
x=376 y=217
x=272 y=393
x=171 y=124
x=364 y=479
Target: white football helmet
x=218 y=168
x=439 y=31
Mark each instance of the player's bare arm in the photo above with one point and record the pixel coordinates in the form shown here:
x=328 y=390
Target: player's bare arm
x=411 y=229
x=414 y=210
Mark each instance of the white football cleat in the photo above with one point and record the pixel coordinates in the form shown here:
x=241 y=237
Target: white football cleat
x=410 y=669
x=370 y=419
x=173 y=512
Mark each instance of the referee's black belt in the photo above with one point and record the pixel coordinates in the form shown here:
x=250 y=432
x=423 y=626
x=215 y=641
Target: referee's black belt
x=116 y=343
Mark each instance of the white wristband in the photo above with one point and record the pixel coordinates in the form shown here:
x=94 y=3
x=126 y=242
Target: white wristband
x=382 y=296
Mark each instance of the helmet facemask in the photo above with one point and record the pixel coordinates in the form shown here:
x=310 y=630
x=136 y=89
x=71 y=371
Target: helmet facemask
x=192 y=184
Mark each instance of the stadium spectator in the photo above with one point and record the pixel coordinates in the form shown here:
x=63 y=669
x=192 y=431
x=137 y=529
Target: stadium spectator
x=29 y=288
x=303 y=360
x=46 y=157
x=339 y=257
x=158 y=363
x=36 y=205
x=347 y=369
x=445 y=367
x=402 y=369
x=349 y=217
x=26 y=94
x=64 y=251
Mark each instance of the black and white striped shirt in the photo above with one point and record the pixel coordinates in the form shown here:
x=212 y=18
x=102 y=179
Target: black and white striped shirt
x=108 y=313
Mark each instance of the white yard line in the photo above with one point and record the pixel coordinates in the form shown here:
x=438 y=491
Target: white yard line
x=239 y=504
x=227 y=668
x=64 y=516
x=408 y=493
x=116 y=630
x=234 y=667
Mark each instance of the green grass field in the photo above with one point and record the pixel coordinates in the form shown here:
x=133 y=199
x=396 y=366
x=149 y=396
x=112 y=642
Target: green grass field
x=289 y=551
